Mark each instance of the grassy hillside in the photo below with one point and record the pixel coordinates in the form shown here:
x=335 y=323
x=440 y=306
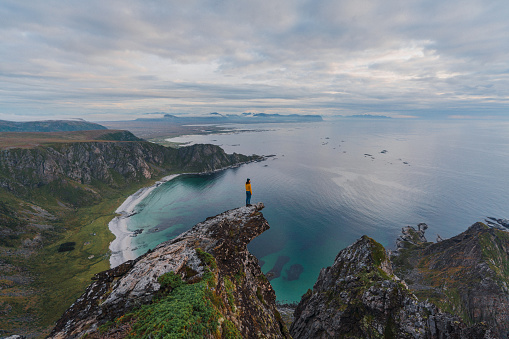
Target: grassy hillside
x=56 y=200
x=34 y=139
x=37 y=281
x=48 y=126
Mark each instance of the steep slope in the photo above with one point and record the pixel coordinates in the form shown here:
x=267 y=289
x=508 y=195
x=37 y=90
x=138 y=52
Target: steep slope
x=55 y=205
x=360 y=297
x=467 y=275
x=204 y=283
x=62 y=169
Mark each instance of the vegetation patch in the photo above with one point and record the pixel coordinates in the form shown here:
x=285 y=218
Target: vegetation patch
x=67 y=246
x=377 y=252
x=8 y=217
x=230 y=288
x=230 y=331
x=206 y=258
x=186 y=312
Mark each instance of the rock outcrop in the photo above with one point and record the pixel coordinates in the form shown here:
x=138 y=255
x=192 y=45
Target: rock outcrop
x=204 y=283
x=466 y=275
x=360 y=297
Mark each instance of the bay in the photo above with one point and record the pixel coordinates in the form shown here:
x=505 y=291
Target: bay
x=331 y=182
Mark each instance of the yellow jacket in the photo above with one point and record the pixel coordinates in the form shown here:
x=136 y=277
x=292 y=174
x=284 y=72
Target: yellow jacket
x=248 y=188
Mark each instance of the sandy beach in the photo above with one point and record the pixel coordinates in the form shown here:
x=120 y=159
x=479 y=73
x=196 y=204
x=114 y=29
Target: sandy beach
x=121 y=247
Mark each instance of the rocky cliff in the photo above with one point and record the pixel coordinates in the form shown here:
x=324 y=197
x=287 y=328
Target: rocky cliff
x=205 y=283
x=360 y=297
x=202 y=284
x=66 y=167
x=466 y=275
x=55 y=204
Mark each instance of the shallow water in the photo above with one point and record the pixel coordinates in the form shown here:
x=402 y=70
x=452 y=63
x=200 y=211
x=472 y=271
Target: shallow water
x=328 y=184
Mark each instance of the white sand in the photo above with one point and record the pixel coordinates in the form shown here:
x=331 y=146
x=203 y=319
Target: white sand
x=121 y=247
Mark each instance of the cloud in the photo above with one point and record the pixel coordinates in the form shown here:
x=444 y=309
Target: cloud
x=119 y=59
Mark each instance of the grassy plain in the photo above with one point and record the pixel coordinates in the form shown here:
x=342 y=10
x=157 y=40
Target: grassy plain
x=34 y=139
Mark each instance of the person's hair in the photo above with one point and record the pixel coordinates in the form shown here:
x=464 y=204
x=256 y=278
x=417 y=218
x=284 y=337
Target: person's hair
x=247 y=181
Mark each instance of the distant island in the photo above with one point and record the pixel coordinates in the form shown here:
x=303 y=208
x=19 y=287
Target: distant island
x=368 y=116
x=245 y=118
x=170 y=125
x=361 y=116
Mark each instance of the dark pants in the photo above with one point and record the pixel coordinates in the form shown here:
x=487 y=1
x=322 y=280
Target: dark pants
x=248 y=198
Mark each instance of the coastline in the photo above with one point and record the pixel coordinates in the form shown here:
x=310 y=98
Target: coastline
x=121 y=247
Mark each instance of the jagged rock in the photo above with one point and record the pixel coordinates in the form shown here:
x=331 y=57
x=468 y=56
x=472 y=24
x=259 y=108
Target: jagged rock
x=466 y=275
x=360 y=297
x=410 y=235
x=240 y=292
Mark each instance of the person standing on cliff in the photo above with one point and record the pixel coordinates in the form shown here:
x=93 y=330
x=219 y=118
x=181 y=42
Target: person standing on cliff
x=248 y=192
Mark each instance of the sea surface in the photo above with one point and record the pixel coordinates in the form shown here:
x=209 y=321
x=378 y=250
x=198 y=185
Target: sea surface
x=331 y=182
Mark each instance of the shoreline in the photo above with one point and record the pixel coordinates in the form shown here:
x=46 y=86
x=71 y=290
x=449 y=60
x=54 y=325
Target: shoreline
x=120 y=247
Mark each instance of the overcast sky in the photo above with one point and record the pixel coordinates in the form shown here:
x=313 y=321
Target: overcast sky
x=115 y=60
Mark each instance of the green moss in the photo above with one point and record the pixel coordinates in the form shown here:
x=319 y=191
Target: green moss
x=169 y=281
x=8 y=217
x=377 y=252
x=230 y=288
x=230 y=331
x=240 y=275
x=186 y=312
x=206 y=258
x=259 y=295
x=105 y=327
x=494 y=253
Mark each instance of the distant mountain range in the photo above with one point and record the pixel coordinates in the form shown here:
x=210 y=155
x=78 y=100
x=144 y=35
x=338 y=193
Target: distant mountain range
x=48 y=126
x=245 y=118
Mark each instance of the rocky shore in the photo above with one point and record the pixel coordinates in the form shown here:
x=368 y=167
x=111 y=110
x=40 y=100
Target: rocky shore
x=455 y=288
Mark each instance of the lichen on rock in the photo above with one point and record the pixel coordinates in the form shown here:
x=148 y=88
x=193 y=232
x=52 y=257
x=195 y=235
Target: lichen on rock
x=359 y=296
x=210 y=260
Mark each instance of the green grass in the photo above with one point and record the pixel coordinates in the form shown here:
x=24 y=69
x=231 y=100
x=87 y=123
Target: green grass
x=61 y=277
x=181 y=309
x=186 y=312
x=64 y=275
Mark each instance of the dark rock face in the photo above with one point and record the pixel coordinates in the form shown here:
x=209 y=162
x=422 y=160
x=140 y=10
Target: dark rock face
x=466 y=275
x=245 y=296
x=359 y=296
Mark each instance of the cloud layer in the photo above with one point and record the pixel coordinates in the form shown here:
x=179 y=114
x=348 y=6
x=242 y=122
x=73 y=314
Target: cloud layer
x=104 y=60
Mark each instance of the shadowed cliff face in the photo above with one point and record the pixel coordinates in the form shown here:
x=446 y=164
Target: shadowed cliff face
x=67 y=167
x=359 y=296
x=211 y=259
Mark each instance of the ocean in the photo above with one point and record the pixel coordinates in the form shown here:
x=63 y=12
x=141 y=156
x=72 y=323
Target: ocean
x=328 y=183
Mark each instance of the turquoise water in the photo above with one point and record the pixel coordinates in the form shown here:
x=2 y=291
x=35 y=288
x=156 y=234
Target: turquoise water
x=329 y=183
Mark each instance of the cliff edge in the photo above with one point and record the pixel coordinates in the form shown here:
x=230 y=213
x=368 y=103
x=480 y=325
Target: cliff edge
x=466 y=275
x=204 y=283
x=360 y=297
